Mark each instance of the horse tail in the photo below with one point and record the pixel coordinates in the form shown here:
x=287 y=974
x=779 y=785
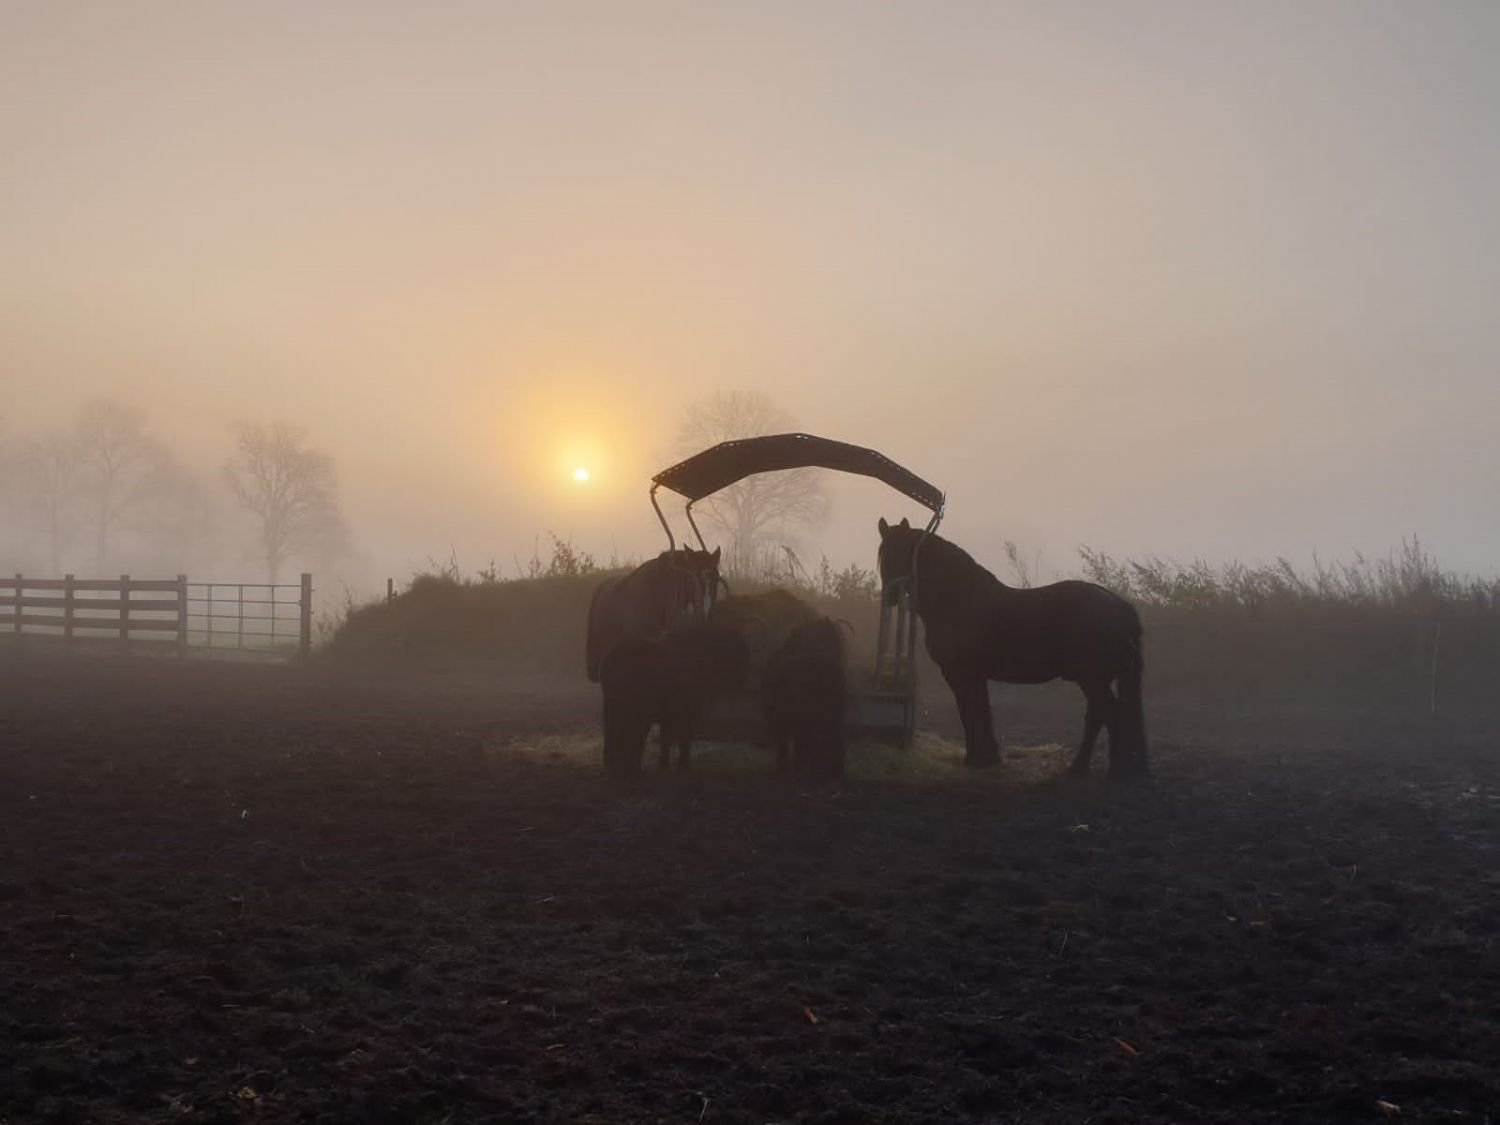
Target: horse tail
x=1131 y=724
x=596 y=646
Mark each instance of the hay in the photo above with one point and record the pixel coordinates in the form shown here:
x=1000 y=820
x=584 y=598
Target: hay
x=930 y=758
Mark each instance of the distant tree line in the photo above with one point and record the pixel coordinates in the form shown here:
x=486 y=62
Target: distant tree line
x=104 y=494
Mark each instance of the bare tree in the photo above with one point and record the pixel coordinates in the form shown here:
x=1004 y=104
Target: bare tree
x=48 y=475
x=176 y=517
x=122 y=471
x=753 y=509
x=290 y=490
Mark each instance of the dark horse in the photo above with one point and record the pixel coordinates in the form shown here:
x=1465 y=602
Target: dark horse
x=803 y=693
x=979 y=629
x=665 y=680
x=674 y=588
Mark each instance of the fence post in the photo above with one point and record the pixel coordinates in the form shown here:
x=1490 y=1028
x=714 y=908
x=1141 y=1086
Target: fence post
x=305 y=640
x=68 y=609
x=1437 y=639
x=390 y=590
x=124 y=610
x=182 y=616
x=19 y=582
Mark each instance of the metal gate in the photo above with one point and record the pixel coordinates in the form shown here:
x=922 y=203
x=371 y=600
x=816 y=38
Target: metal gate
x=271 y=618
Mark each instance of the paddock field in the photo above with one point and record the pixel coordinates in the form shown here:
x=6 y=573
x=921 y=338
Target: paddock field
x=252 y=893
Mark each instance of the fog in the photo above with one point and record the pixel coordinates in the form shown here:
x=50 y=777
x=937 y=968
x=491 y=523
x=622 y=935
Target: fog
x=1183 y=279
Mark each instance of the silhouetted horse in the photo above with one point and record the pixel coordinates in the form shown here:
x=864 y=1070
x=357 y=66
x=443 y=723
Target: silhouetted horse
x=669 y=590
x=665 y=681
x=765 y=619
x=979 y=629
x=803 y=693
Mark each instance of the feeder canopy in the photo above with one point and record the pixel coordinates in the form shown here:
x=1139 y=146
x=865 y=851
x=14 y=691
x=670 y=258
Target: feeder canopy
x=731 y=461
x=705 y=473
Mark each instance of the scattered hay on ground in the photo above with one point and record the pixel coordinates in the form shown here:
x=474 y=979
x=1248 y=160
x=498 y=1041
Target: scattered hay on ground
x=931 y=757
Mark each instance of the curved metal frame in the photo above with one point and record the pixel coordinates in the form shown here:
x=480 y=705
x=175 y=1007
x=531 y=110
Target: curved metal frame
x=895 y=672
x=874 y=464
x=728 y=462
x=688 y=510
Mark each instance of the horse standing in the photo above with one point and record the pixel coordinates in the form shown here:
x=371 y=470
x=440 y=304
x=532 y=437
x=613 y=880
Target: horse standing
x=979 y=629
x=665 y=681
x=675 y=588
x=803 y=694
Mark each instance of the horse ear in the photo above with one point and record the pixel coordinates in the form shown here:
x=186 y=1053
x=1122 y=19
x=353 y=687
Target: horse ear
x=716 y=555
x=906 y=523
x=885 y=528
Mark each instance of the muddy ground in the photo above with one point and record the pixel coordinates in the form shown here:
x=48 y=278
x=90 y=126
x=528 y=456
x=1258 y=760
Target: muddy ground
x=239 y=893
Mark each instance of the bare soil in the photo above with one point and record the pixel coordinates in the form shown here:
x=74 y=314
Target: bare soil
x=236 y=893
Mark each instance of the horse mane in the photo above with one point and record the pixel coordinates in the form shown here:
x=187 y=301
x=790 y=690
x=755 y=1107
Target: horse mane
x=686 y=554
x=959 y=574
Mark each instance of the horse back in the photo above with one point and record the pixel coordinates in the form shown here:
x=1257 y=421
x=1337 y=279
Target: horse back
x=1065 y=630
x=644 y=602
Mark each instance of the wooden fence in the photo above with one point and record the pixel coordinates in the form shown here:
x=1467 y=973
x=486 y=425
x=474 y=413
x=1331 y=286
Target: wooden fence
x=159 y=612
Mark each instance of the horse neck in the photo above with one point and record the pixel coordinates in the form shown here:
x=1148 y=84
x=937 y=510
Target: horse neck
x=951 y=581
x=672 y=579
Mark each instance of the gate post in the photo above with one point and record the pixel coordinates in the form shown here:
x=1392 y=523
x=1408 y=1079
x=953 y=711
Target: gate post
x=19 y=581
x=304 y=640
x=124 y=611
x=182 y=616
x=68 y=609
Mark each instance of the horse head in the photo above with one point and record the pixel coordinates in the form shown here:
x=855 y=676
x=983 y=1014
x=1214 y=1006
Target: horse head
x=897 y=557
x=693 y=580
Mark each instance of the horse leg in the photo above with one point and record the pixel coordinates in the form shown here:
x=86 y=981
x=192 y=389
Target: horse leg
x=625 y=734
x=664 y=741
x=1100 y=713
x=1127 y=755
x=625 y=745
x=783 y=740
x=972 y=694
x=836 y=748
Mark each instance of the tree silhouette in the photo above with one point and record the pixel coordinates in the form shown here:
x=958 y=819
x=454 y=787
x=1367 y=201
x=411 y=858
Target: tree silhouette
x=121 y=471
x=750 y=511
x=289 y=489
x=48 y=472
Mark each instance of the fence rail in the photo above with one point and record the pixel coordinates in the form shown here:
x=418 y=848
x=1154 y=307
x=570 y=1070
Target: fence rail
x=161 y=612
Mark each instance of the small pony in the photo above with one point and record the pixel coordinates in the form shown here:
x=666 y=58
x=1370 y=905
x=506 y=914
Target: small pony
x=676 y=587
x=665 y=681
x=803 y=695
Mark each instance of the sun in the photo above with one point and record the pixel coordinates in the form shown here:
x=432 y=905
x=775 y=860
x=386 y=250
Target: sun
x=581 y=475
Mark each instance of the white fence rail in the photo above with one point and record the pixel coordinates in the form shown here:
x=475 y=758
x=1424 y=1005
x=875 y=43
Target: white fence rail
x=160 y=612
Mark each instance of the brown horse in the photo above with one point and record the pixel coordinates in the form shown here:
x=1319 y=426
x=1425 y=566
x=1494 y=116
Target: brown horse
x=674 y=588
x=665 y=682
x=765 y=619
x=979 y=629
x=804 y=691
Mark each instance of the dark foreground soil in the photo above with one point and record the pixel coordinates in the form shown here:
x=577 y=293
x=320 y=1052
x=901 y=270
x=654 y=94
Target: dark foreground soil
x=247 y=893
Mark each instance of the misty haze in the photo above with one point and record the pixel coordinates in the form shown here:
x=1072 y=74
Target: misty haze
x=749 y=563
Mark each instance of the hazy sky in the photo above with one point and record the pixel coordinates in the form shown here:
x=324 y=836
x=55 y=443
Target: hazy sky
x=1178 y=278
